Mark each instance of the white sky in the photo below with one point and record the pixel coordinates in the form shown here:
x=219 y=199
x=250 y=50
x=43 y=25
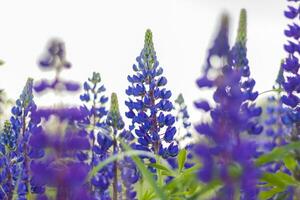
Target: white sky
x=106 y=36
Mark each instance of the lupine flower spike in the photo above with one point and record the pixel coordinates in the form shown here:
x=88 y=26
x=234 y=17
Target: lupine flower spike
x=149 y=105
x=227 y=155
x=95 y=106
x=291 y=65
x=17 y=154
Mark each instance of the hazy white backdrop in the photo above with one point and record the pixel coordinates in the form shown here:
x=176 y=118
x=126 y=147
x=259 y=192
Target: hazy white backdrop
x=107 y=35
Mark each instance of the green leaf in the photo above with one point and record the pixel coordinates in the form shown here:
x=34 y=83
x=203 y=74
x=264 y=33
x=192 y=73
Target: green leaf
x=290 y=162
x=264 y=195
x=181 y=158
x=193 y=169
x=208 y=188
x=277 y=153
x=164 y=169
x=159 y=166
x=148 y=195
x=289 y=180
x=273 y=179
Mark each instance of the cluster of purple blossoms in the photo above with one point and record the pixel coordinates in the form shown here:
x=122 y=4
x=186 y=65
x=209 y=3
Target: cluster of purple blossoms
x=8 y=162
x=105 y=128
x=150 y=107
x=55 y=59
x=95 y=123
x=228 y=155
x=291 y=64
x=16 y=152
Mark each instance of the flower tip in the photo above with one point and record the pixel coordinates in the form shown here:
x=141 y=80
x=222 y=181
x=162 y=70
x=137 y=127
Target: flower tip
x=114 y=103
x=96 y=78
x=29 y=81
x=225 y=19
x=280 y=76
x=148 y=38
x=180 y=99
x=242 y=29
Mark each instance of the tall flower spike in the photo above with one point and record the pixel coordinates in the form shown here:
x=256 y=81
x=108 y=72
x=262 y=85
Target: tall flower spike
x=149 y=107
x=22 y=127
x=238 y=59
x=227 y=155
x=291 y=64
x=94 y=123
x=55 y=59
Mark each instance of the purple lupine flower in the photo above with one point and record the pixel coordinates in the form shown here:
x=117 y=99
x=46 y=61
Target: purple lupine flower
x=291 y=64
x=227 y=155
x=149 y=105
x=95 y=107
x=8 y=172
x=16 y=154
x=23 y=124
x=238 y=59
x=55 y=59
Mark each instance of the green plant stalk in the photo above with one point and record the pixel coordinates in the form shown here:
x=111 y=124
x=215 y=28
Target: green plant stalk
x=115 y=168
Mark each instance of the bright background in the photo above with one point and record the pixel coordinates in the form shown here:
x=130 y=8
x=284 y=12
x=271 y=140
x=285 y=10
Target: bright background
x=107 y=35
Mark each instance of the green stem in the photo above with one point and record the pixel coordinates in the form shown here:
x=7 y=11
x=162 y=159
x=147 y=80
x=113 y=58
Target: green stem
x=115 y=168
x=278 y=90
x=26 y=157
